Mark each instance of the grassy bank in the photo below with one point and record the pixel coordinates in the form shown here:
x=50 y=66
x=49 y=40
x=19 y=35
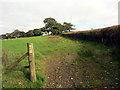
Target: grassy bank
x=61 y=62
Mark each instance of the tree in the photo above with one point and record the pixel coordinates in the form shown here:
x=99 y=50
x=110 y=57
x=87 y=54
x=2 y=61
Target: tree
x=44 y=30
x=23 y=34
x=3 y=36
x=68 y=26
x=30 y=33
x=15 y=34
x=57 y=29
x=8 y=35
x=51 y=25
x=37 y=32
x=49 y=22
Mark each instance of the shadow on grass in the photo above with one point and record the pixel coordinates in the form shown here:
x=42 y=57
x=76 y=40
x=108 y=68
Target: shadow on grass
x=115 y=49
x=110 y=53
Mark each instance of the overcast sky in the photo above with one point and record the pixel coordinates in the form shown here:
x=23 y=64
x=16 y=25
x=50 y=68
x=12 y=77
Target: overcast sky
x=29 y=14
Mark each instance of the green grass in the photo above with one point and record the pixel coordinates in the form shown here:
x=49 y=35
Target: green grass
x=43 y=46
x=20 y=79
x=96 y=54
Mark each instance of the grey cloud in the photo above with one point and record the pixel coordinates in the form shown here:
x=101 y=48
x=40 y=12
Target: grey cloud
x=29 y=14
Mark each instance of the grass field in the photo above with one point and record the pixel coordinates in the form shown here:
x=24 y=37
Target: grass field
x=61 y=62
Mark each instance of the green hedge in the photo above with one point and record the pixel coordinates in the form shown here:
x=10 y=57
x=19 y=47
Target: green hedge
x=109 y=35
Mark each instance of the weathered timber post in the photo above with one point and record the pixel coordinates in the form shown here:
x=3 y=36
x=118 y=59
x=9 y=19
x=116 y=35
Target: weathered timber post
x=31 y=62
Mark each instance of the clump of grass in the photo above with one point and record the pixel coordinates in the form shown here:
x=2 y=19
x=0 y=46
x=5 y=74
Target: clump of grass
x=115 y=54
x=85 y=52
x=40 y=78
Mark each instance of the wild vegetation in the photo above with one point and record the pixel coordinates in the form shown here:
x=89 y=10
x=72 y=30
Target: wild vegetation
x=61 y=63
x=108 y=35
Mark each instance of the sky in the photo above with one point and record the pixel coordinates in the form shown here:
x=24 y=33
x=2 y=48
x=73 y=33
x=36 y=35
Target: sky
x=84 y=14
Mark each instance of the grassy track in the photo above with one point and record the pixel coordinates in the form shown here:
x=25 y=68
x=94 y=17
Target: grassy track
x=60 y=62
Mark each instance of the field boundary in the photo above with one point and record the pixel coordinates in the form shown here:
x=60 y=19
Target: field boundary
x=108 y=35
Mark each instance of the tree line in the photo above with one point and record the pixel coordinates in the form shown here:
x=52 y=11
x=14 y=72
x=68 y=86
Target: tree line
x=51 y=27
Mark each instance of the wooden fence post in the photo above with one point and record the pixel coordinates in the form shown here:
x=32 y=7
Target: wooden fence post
x=31 y=62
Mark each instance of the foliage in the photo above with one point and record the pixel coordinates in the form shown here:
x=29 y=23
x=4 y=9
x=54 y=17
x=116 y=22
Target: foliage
x=51 y=26
x=15 y=34
x=30 y=33
x=108 y=36
x=68 y=26
x=49 y=22
x=37 y=32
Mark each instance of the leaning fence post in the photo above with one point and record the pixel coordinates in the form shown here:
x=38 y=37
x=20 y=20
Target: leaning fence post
x=31 y=62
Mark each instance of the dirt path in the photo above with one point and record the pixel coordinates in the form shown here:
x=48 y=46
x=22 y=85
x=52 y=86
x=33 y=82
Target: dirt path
x=66 y=72
x=61 y=73
x=70 y=71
